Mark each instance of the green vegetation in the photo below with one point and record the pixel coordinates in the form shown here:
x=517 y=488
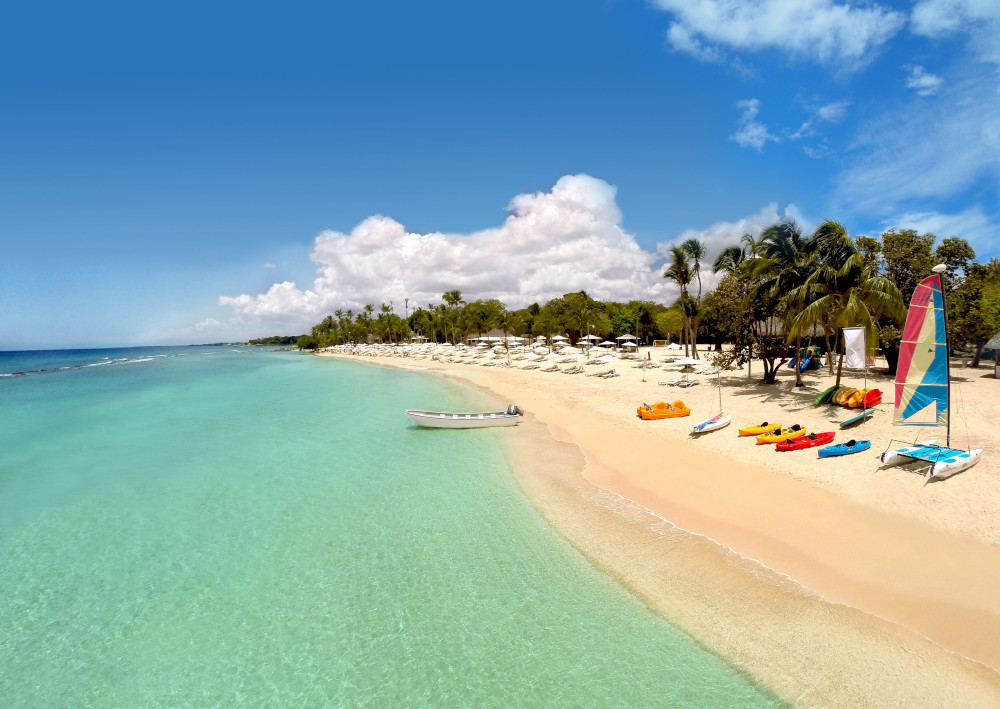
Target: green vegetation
x=276 y=340
x=776 y=292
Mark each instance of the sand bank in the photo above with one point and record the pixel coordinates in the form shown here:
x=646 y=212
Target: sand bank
x=844 y=585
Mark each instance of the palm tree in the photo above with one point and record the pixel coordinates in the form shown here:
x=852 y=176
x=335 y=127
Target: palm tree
x=697 y=251
x=453 y=299
x=845 y=289
x=679 y=271
x=730 y=259
x=783 y=263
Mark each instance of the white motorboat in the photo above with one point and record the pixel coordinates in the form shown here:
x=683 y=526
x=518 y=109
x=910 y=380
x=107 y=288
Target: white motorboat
x=444 y=419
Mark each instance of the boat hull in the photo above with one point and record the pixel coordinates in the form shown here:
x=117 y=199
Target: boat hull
x=839 y=449
x=713 y=424
x=442 y=419
x=810 y=441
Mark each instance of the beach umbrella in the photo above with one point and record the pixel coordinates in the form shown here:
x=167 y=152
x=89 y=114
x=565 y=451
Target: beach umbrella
x=590 y=337
x=568 y=350
x=552 y=355
x=608 y=358
x=607 y=344
x=560 y=337
x=625 y=337
x=629 y=344
x=687 y=361
x=673 y=346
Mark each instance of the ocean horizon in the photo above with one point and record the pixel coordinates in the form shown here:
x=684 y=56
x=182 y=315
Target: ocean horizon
x=218 y=525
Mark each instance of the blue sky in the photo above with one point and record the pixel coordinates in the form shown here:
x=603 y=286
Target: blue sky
x=192 y=173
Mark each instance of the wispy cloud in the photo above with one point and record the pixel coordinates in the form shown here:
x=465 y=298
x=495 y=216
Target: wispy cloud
x=923 y=83
x=979 y=20
x=839 y=35
x=931 y=149
x=270 y=265
x=972 y=224
x=749 y=132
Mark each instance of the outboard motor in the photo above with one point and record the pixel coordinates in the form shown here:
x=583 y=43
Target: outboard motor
x=512 y=410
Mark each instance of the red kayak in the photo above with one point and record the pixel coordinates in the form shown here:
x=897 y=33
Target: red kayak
x=809 y=441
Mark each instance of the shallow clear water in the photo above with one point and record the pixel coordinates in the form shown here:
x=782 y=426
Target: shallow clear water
x=244 y=527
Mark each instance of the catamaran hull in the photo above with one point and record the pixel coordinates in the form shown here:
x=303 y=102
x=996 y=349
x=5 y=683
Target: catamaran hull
x=898 y=457
x=955 y=464
x=951 y=462
x=441 y=419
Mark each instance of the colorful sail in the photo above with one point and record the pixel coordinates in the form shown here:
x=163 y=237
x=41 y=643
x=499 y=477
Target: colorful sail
x=922 y=371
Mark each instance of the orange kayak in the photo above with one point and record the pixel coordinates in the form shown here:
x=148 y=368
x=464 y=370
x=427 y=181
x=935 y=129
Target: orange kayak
x=760 y=430
x=785 y=434
x=663 y=410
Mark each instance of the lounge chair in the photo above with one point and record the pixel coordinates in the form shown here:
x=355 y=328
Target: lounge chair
x=687 y=383
x=668 y=382
x=711 y=370
x=611 y=375
x=600 y=374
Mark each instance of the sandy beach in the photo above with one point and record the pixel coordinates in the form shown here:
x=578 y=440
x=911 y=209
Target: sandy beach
x=835 y=582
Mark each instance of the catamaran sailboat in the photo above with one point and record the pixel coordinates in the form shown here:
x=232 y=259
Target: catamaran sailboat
x=720 y=420
x=923 y=383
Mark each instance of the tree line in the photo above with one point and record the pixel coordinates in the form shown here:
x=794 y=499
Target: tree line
x=778 y=290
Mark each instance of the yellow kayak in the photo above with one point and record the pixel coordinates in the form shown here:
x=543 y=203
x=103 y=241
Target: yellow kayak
x=785 y=434
x=760 y=430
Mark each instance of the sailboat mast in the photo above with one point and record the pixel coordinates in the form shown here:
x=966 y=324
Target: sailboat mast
x=947 y=340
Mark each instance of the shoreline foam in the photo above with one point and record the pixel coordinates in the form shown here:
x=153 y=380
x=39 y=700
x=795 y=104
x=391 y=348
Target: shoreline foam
x=807 y=631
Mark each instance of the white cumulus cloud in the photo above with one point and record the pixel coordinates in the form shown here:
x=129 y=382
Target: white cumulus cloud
x=566 y=239
x=555 y=242
x=840 y=35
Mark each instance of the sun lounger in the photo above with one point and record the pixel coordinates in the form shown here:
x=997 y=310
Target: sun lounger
x=711 y=370
x=611 y=375
x=530 y=366
x=600 y=374
x=687 y=383
x=668 y=382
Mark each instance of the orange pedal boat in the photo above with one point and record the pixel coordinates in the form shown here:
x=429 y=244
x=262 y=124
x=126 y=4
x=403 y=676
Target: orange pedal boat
x=663 y=410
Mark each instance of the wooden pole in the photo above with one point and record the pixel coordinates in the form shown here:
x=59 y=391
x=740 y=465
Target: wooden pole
x=840 y=363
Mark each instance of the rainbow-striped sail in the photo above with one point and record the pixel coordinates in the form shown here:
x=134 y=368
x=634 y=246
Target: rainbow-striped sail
x=922 y=371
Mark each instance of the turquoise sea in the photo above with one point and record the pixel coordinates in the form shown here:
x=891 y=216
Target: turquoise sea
x=210 y=526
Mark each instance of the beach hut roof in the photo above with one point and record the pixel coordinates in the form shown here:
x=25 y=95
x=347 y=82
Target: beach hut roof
x=994 y=343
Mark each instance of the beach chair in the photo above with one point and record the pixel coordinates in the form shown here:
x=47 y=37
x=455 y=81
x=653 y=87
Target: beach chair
x=611 y=375
x=668 y=382
x=687 y=383
x=530 y=366
x=711 y=370
x=600 y=374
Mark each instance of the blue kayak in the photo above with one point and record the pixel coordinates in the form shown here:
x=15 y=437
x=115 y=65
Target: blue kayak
x=844 y=448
